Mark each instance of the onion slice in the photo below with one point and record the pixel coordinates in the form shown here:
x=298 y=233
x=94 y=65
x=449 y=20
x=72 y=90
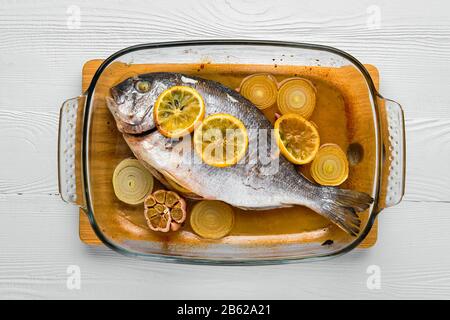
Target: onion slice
x=132 y=182
x=212 y=219
x=261 y=89
x=330 y=166
x=297 y=95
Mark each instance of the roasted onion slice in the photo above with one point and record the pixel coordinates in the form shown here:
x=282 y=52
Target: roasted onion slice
x=330 y=166
x=132 y=182
x=212 y=219
x=298 y=96
x=261 y=89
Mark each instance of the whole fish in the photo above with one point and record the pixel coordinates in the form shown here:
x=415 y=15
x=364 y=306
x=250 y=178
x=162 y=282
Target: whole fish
x=251 y=185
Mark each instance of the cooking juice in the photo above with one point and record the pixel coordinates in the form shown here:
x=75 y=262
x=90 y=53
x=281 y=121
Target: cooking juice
x=335 y=115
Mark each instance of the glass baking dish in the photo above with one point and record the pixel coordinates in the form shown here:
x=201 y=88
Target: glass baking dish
x=90 y=147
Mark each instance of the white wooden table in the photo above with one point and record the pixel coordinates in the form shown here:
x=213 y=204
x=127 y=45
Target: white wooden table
x=42 y=48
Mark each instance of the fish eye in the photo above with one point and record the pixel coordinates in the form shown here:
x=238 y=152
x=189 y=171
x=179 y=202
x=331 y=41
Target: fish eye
x=142 y=86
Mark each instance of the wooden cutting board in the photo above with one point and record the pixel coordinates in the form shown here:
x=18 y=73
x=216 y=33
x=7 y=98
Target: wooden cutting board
x=86 y=233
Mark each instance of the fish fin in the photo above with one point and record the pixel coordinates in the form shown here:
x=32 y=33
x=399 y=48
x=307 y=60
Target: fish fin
x=341 y=207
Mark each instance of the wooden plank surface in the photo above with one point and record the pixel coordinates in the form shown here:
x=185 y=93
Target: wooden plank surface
x=41 y=54
x=350 y=83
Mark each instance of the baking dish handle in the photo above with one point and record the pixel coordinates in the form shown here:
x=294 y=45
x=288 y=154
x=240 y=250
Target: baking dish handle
x=69 y=138
x=394 y=152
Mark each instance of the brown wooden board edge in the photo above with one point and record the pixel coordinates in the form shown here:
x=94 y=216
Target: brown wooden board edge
x=87 y=234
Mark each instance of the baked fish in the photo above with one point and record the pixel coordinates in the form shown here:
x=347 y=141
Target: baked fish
x=254 y=183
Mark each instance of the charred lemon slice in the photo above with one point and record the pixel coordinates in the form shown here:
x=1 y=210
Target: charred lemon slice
x=297 y=138
x=178 y=110
x=221 y=140
x=212 y=219
x=131 y=181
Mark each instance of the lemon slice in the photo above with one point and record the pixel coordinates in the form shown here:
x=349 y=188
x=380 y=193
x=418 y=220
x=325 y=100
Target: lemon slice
x=221 y=140
x=132 y=182
x=330 y=166
x=212 y=219
x=178 y=110
x=297 y=138
x=297 y=95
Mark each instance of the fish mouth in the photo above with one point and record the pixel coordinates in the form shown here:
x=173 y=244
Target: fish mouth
x=130 y=124
x=115 y=94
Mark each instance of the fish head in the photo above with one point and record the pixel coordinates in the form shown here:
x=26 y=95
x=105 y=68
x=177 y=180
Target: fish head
x=131 y=103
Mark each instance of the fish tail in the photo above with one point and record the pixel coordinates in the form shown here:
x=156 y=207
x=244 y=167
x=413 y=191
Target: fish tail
x=341 y=207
